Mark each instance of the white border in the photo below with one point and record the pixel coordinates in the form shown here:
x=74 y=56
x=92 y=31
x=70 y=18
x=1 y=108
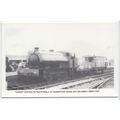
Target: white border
x=101 y=93
x=0 y=58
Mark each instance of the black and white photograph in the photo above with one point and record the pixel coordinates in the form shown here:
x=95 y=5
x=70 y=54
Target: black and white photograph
x=60 y=59
x=65 y=59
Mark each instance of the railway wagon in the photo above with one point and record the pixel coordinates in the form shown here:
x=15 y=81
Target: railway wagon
x=92 y=64
x=48 y=65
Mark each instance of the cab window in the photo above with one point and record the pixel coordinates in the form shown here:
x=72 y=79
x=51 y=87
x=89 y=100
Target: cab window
x=89 y=59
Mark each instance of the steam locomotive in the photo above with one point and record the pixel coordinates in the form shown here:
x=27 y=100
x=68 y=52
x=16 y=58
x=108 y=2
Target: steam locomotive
x=51 y=65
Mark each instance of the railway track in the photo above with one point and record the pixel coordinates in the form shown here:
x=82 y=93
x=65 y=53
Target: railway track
x=94 y=82
x=80 y=81
x=90 y=83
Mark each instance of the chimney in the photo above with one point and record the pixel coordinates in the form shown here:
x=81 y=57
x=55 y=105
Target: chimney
x=36 y=49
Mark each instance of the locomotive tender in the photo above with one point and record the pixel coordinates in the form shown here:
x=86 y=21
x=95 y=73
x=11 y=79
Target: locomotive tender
x=51 y=65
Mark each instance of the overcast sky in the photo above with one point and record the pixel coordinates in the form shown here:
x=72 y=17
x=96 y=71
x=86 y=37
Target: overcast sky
x=79 y=38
